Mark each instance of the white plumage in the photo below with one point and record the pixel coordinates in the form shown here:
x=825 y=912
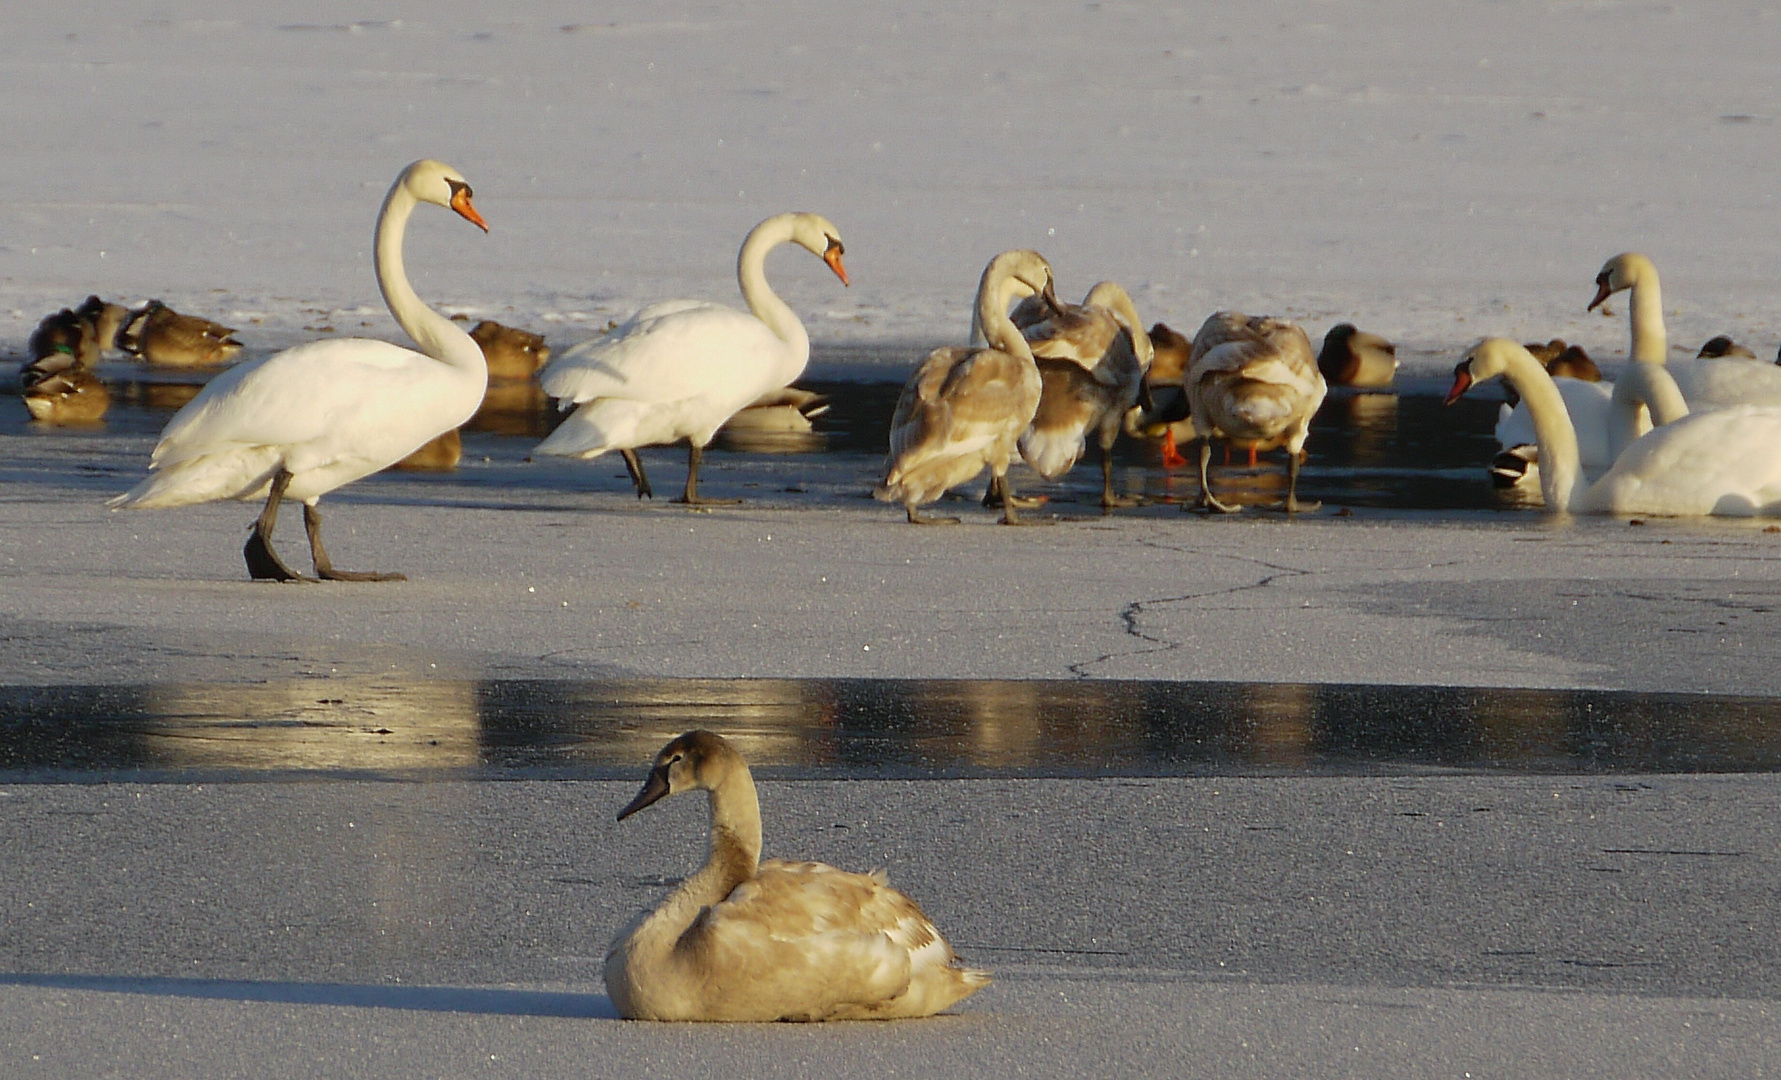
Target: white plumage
x=307 y=420
x=1720 y=462
x=680 y=368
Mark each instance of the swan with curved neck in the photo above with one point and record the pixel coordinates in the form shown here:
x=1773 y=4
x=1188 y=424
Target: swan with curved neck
x=1705 y=382
x=1723 y=462
x=1092 y=360
x=302 y=422
x=965 y=407
x=681 y=368
x=746 y=940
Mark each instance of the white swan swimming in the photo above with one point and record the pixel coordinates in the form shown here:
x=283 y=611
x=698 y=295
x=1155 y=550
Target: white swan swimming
x=1705 y=382
x=965 y=407
x=745 y=940
x=1092 y=358
x=1724 y=461
x=307 y=420
x=680 y=368
x=1253 y=379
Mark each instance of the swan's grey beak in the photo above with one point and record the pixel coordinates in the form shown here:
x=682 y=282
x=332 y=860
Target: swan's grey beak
x=1462 y=381
x=832 y=256
x=1602 y=291
x=1049 y=295
x=653 y=790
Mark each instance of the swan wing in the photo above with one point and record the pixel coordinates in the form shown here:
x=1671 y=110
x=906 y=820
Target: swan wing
x=1080 y=334
x=327 y=391
x=1717 y=383
x=805 y=941
x=672 y=351
x=1723 y=462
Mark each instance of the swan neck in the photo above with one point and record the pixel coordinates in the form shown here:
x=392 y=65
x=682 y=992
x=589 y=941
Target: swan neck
x=436 y=335
x=733 y=857
x=991 y=322
x=751 y=275
x=1560 y=460
x=1642 y=386
x=1646 y=311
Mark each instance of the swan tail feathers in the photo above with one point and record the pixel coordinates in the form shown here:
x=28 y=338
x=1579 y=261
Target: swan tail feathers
x=210 y=478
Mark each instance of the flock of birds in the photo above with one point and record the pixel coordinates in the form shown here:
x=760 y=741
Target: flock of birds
x=1038 y=382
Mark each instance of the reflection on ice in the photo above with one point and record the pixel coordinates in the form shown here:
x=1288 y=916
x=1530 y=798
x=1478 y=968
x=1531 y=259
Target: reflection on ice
x=870 y=727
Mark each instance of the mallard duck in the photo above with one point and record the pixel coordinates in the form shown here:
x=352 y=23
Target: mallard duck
x=1723 y=346
x=71 y=396
x=438 y=454
x=787 y=409
x=744 y=940
x=1573 y=363
x=1353 y=357
x=86 y=332
x=157 y=334
x=1165 y=417
x=511 y=353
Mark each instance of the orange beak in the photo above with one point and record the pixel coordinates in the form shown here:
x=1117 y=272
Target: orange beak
x=832 y=256
x=1462 y=381
x=460 y=201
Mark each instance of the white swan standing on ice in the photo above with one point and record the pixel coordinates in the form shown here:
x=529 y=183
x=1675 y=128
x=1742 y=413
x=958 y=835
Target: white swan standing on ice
x=746 y=940
x=307 y=420
x=1722 y=462
x=681 y=368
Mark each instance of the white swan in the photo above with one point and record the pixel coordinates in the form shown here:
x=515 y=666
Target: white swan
x=1706 y=382
x=681 y=368
x=966 y=407
x=1724 y=462
x=1092 y=358
x=302 y=422
x=1253 y=380
x=745 y=940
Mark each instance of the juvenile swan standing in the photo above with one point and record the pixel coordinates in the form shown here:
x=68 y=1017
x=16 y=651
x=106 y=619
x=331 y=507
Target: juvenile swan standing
x=305 y=421
x=746 y=940
x=679 y=369
x=965 y=408
x=1253 y=379
x=1092 y=358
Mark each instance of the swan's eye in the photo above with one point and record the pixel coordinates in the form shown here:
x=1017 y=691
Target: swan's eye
x=836 y=246
x=458 y=187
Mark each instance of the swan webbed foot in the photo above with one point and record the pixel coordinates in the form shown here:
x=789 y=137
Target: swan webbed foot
x=995 y=497
x=639 y=479
x=324 y=566
x=1111 y=502
x=916 y=517
x=263 y=564
x=1292 y=505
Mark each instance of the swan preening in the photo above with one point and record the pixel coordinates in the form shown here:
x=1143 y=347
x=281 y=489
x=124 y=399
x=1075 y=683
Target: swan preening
x=1720 y=462
x=679 y=369
x=746 y=940
x=307 y=420
x=966 y=407
x=1092 y=358
x=1255 y=380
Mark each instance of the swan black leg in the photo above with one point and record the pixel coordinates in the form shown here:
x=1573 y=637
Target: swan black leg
x=1110 y=501
x=997 y=493
x=694 y=455
x=263 y=564
x=324 y=567
x=634 y=466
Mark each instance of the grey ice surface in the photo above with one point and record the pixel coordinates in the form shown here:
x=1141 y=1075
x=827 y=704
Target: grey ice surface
x=1409 y=925
x=552 y=569
x=1348 y=927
